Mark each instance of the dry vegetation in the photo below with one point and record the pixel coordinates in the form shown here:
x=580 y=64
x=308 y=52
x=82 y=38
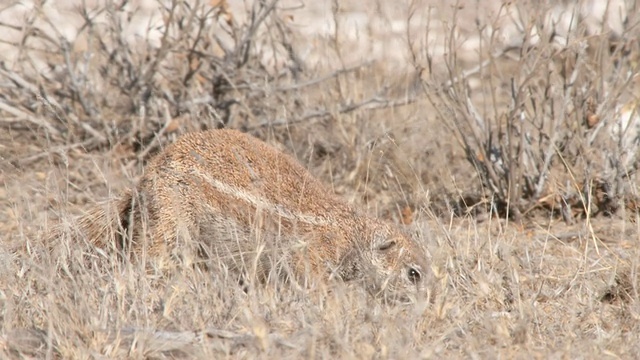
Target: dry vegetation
x=507 y=141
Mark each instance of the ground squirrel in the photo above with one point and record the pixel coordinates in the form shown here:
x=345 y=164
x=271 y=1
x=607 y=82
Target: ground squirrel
x=249 y=206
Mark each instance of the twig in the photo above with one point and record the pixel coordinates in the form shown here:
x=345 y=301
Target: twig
x=32 y=119
x=75 y=86
x=47 y=101
x=476 y=69
x=21 y=82
x=157 y=136
x=373 y=103
x=207 y=99
x=245 y=44
x=150 y=70
x=321 y=79
x=87 y=144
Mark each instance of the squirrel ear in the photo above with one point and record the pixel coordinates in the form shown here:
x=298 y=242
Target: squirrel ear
x=385 y=245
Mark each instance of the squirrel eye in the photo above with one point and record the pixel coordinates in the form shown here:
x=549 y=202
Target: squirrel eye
x=414 y=275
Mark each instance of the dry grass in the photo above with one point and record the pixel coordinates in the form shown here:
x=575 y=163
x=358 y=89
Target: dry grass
x=518 y=175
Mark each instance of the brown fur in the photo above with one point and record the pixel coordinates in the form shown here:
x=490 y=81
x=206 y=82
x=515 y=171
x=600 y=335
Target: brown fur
x=250 y=207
